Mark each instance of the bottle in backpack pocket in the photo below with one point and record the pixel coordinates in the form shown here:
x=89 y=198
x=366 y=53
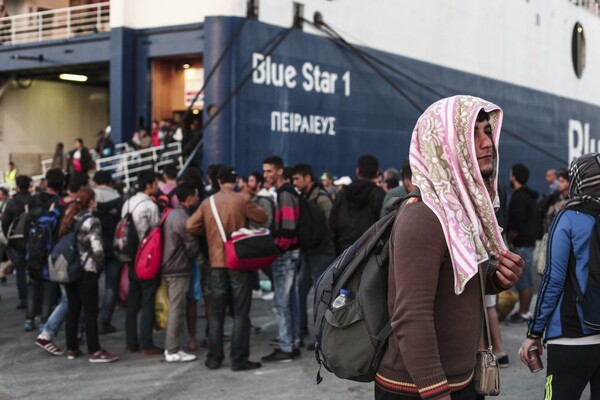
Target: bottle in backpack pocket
x=344 y=297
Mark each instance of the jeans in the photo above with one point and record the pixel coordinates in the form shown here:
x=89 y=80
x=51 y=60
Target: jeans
x=18 y=259
x=112 y=271
x=229 y=286
x=40 y=291
x=526 y=281
x=55 y=320
x=287 y=299
x=83 y=292
x=141 y=297
x=177 y=287
x=313 y=265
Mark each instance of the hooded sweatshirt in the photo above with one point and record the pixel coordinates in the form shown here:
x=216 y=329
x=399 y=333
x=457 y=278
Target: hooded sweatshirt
x=356 y=208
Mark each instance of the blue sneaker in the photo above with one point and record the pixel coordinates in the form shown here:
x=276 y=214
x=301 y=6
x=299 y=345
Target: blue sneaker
x=29 y=325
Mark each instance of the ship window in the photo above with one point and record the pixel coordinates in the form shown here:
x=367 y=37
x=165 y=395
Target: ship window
x=578 y=49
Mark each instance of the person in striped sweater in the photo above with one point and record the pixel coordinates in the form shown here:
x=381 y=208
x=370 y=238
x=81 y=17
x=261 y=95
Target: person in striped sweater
x=287 y=298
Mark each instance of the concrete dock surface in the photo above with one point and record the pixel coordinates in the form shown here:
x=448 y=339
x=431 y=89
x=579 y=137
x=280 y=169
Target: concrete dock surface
x=28 y=372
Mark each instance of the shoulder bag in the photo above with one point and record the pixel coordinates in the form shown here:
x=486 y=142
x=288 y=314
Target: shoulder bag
x=487 y=371
x=246 y=249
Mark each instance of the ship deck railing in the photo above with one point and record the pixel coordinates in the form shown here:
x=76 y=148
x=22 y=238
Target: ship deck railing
x=60 y=23
x=126 y=166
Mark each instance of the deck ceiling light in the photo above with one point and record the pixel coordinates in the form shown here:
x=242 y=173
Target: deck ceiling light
x=73 y=77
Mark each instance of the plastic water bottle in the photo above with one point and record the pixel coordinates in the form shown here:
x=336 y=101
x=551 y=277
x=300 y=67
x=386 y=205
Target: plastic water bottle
x=344 y=297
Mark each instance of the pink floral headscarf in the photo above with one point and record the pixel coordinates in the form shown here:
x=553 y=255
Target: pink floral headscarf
x=445 y=168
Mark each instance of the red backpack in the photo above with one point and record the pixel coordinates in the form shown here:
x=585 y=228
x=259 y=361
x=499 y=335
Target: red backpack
x=149 y=254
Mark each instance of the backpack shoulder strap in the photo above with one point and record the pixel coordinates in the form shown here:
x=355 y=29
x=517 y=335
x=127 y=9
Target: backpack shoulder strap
x=215 y=213
x=80 y=223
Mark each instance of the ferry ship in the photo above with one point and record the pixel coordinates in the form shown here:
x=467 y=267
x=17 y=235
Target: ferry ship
x=318 y=81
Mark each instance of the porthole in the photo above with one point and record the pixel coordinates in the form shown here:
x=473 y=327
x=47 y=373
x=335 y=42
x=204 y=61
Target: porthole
x=578 y=49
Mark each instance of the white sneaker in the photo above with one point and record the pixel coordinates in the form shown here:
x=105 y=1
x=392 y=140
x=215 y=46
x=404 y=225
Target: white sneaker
x=180 y=356
x=269 y=296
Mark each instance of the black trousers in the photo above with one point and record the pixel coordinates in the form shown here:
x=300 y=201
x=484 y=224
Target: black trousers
x=234 y=288
x=83 y=292
x=570 y=368
x=468 y=393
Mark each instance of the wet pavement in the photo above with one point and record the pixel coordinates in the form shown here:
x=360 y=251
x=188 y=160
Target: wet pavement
x=28 y=372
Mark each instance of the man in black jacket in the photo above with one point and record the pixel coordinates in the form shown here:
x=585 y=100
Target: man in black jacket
x=521 y=236
x=108 y=211
x=357 y=207
x=16 y=250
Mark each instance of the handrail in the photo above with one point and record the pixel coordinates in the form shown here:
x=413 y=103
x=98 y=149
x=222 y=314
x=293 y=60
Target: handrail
x=119 y=148
x=127 y=165
x=60 y=23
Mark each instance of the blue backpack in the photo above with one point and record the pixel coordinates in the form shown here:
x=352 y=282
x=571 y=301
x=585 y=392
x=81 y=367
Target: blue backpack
x=40 y=243
x=64 y=262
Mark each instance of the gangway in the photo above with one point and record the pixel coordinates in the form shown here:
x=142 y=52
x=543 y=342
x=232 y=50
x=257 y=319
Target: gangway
x=126 y=166
x=119 y=148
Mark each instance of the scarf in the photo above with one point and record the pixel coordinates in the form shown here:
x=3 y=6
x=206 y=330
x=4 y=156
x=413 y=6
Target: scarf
x=446 y=170
x=584 y=184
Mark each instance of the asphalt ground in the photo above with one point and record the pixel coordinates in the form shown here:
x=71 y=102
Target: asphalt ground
x=28 y=372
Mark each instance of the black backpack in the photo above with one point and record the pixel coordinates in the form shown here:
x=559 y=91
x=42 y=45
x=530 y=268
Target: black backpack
x=18 y=231
x=312 y=224
x=126 y=239
x=590 y=302
x=109 y=214
x=350 y=340
x=40 y=244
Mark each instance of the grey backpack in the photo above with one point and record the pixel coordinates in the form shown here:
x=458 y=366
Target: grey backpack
x=350 y=340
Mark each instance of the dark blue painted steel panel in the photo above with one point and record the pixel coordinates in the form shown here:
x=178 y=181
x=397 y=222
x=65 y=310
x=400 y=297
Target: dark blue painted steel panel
x=374 y=118
x=83 y=50
x=122 y=83
x=172 y=41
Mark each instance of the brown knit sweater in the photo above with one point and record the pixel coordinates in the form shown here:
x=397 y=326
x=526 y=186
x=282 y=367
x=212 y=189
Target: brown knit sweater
x=436 y=333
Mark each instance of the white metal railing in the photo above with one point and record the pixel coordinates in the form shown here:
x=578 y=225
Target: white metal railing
x=61 y=23
x=127 y=163
x=126 y=166
x=119 y=148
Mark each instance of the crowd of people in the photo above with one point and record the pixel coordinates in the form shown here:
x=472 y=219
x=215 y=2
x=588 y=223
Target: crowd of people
x=460 y=218
x=193 y=252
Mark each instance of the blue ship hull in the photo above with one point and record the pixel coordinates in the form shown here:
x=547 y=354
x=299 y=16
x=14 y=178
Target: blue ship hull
x=313 y=100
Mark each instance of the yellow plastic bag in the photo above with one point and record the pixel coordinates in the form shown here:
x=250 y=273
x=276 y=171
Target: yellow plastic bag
x=161 y=307
x=506 y=303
